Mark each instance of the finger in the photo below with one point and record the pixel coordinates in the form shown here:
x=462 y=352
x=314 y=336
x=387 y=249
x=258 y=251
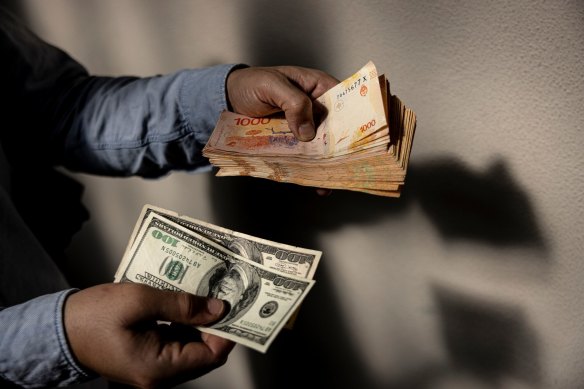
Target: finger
x=187 y=361
x=297 y=107
x=211 y=351
x=217 y=344
x=300 y=112
x=311 y=81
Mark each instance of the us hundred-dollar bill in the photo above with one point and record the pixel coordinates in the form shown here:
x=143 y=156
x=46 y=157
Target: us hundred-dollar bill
x=293 y=260
x=166 y=255
x=296 y=261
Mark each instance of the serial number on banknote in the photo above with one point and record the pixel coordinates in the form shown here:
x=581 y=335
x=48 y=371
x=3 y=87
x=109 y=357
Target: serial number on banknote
x=352 y=87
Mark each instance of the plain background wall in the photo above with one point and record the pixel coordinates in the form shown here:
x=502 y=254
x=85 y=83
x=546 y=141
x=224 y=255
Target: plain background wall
x=474 y=278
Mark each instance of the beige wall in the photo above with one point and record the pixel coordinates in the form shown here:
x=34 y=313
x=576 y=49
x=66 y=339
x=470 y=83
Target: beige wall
x=474 y=278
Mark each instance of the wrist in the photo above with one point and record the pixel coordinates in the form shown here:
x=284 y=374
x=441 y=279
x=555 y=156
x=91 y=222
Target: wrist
x=227 y=83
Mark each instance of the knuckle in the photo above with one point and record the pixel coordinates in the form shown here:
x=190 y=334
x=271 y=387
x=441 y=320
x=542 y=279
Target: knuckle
x=297 y=103
x=186 y=304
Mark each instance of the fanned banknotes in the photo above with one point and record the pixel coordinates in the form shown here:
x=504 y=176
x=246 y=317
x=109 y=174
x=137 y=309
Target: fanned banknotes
x=263 y=281
x=363 y=143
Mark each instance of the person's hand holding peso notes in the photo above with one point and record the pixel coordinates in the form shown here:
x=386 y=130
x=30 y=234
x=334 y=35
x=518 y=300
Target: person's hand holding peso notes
x=363 y=143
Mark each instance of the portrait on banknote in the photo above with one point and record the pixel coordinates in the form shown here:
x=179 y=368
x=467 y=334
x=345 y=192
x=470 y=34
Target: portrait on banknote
x=235 y=283
x=244 y=248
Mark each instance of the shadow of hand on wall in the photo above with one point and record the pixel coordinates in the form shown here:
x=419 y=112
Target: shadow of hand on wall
x=485 y=206
x=462 y=204
x=482 y=206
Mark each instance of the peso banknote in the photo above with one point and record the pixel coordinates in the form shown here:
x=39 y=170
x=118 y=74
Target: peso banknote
x=355 y=119
x=166 y=255
x=362 y=144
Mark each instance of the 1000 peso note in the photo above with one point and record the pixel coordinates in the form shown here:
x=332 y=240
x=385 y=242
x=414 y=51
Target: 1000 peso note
x=355 y=119
x=166 y=255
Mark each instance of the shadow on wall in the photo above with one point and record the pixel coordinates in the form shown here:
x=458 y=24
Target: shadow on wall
x=480 y=206
x=485 y=207
x=489 y=340
x=287 y=33
x=489 y=345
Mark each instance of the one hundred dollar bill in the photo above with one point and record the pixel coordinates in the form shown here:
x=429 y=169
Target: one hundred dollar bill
x=293 y=260
x=296 y=261
x=166 y=255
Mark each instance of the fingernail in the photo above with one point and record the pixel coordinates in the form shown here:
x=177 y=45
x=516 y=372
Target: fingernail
x=306 y=131
x=215 y=306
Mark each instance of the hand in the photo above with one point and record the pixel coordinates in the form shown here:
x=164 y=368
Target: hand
x=113 y=330
x=261 y=91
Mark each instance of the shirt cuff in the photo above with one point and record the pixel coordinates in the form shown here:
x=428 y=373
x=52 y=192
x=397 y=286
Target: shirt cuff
x=203 y=97
x=34 y=351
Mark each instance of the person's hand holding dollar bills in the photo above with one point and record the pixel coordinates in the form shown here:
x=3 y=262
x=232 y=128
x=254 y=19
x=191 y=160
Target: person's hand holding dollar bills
x=119 y=331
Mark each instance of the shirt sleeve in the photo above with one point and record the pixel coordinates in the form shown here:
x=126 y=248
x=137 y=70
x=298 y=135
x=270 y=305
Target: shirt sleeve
x=56 y=113
x=141 y=126
x=34 y=351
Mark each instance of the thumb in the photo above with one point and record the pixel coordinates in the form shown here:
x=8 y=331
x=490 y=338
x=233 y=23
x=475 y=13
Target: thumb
x=185 y=308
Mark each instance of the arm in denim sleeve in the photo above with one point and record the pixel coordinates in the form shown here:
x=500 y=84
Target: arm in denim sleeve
x=56 y=113
x=33 y=347
x=141 y=126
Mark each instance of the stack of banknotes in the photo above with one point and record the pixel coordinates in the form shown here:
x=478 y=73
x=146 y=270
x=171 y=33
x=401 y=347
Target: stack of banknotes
x=264 y=282
x=362 y=144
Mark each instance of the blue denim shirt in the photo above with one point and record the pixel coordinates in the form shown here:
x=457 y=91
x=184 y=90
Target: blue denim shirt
x=56 y=114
